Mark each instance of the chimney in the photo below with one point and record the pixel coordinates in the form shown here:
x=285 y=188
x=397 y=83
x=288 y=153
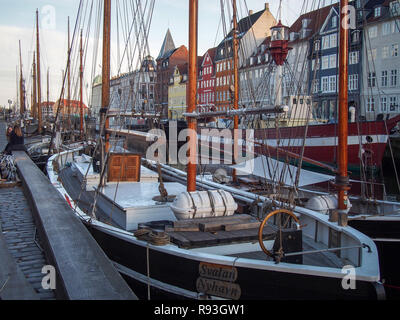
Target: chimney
x=267 y=6
x=251 y=12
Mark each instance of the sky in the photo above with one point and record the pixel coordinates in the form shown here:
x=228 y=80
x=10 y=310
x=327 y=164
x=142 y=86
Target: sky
x=17 y=22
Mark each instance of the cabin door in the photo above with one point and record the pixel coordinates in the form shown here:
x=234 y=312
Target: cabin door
x=124 y=167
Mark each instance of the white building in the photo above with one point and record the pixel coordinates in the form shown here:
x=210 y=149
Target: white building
x=380 y=93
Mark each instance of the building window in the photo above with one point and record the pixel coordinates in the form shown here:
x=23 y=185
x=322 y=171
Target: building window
x=371 y=79
x=354 y=57
x=370 y=104
x=372 y=54
x=329 y=62
x=395 y=50
x=383 y=104
x=315 y=86
x=373 y=32
x=353 y=82
x=384 y=78
x=325 y=42
x=385 y=52
x=377 y=11
x=332 y=61
x=325 y=84
x=386 y=28
x=393 y=78
x=393 y=104
x=333 y=40
x=394 y=8
x=332 y=84
x=325 y=62
x=355 y=36
x=334 y=22
x=316 y=45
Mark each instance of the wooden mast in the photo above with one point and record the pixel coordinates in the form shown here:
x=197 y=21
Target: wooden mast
x=192 y=95
x=69 y=80
x=48 y=89
x=342 y=179
x=21 y=85
x=235 y=48
x=39 y=89
x=105 y=96
x=81 y=87
x=34 y=85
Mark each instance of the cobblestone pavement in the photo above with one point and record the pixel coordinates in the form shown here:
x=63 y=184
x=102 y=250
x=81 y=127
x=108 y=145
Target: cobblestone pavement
x=19 y=231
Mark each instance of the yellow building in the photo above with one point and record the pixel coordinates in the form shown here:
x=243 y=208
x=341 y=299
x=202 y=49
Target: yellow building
x=177 y=91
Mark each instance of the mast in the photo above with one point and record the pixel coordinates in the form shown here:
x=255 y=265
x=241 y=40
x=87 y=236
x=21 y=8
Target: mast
x=342 y=179
x=39 y=89
x=18 y=91
x=236 y=85
x=48 y=90
x=105 y=96
x=192 y=93
x=81 y=87
x=34 y=85
x=69 y=80
x=21 y=84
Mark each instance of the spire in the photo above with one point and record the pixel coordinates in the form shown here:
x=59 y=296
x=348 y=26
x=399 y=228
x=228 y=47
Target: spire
x=167 y=45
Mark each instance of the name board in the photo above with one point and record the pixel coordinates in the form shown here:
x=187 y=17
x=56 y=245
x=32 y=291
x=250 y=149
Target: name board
x=218 y=280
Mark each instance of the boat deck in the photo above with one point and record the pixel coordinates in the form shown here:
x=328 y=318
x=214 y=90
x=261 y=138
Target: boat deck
x=207 y=235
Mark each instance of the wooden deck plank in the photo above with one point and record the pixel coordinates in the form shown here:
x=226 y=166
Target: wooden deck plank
x=197 y=239
x=241 y=226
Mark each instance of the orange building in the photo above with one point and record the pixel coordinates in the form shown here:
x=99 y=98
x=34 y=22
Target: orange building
x=74 y=108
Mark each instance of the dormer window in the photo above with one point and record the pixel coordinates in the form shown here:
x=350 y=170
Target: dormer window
x=377 y=12
x=394 y=8
x=334 y=22
x=305 y=23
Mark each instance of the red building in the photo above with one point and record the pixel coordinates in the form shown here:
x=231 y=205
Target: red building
x=206 y=81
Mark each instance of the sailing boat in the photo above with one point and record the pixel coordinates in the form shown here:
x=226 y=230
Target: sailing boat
x=188 y=250
x=378 y=219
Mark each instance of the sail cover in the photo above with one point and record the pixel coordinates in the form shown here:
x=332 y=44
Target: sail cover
x=278 y=171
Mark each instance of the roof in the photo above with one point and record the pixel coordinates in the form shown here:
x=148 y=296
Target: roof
x=244 y=26
x=385 y=13
x=183 y=68
x=167 y=46
x=317 y=19
x=211 y=52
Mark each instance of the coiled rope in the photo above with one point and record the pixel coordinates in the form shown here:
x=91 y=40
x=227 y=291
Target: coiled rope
x=153 y=237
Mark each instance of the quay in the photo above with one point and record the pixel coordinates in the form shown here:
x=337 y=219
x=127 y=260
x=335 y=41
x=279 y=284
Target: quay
x=38 y=229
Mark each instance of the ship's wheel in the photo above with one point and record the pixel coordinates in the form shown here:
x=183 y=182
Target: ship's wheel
x=261 y=229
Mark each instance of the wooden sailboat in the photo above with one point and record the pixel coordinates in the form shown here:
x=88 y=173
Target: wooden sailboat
x=212 y=252
x=379 y=219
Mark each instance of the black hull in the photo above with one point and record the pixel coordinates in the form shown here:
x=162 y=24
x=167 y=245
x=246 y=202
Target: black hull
x=178 y=275
x=386 y=235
